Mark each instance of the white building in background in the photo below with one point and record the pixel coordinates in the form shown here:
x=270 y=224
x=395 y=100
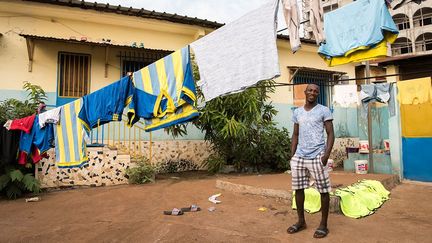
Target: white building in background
x=413 y=20
x=415 y=24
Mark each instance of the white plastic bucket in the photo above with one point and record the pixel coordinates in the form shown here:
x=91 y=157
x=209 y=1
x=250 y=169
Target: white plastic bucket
x=330 y=164
x=364 y=146
x=361 y=166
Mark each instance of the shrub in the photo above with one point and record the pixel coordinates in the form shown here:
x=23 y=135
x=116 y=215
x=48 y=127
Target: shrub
x=274 y=148
x=14 y=183
x=214 y=163
x=14 y=109
x=142 y=173
x=241 y=130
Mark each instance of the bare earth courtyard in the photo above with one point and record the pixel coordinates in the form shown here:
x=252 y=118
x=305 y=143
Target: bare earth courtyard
x=134 y=214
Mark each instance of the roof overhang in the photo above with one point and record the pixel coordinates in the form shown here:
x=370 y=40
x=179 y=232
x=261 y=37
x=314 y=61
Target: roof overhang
x=30 y=41
x=130 y=11
x=398 y=60
x=143 y=13
x=316 y=70
x=89 y=42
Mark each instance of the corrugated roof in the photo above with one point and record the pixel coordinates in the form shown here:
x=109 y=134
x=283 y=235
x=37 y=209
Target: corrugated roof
x=316 y=69
x=143 y=13
x=133 y=12
x=88 y=42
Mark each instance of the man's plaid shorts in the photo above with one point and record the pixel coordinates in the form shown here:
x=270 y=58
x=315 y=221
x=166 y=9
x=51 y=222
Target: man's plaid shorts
x=302 y=169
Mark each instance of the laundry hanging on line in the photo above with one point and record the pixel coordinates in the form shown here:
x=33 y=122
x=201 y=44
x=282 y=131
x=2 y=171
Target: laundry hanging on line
x=345 y=95
x=26 y=147
x=9 y=143
x=416 y=91
x=292 y=19
x=316 y=20
x=35 y=143
x=170 y=85
x=23 y=124
x=380 y=50
x=239 y=54
x=358 y=26
x=106 y=104
x=415 y=98
x=51 y=116
x=70 y=145
x=380 y=92
x=165 y=92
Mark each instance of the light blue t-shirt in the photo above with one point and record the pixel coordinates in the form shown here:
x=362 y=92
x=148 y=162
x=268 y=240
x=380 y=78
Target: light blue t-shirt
x=361 y=23
x=311 y=130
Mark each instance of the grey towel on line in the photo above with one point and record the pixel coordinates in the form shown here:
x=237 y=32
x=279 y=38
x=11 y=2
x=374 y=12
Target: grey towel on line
x=239 y=54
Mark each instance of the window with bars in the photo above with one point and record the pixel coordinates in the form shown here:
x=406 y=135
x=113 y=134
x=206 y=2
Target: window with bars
x=424 y=42
x=74 y=74
x=422 y=17
x=132 y=66
x=330 y=8
x=134 y=61
x=401 y=46
x=305 y=77
x=401 y=21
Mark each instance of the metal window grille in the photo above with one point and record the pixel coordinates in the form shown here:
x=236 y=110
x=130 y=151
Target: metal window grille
x=330 y=8
x=424 y=42
x=402 y=21
x=422 y=17
x=402 y=46
x=74 y=74
x=318 y=78
x=134 y=61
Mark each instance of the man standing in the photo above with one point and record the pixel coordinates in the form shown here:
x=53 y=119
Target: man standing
x=310 y=155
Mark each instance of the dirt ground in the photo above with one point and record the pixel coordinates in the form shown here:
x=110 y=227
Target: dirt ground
x=283 y=181
x=134 y=214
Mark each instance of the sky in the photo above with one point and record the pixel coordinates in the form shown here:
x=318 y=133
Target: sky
x=222 y=11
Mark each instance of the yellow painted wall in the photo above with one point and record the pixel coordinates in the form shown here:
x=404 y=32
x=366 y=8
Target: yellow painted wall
x=306 y=57
x=64 y=22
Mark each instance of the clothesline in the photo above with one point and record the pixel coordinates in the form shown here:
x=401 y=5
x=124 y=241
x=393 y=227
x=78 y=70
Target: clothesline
x=352 y=79
x=303 y=22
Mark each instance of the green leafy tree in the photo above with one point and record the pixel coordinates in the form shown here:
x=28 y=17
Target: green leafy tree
x=241 y=129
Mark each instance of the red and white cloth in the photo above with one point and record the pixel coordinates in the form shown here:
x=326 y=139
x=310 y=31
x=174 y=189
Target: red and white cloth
x=24 y=124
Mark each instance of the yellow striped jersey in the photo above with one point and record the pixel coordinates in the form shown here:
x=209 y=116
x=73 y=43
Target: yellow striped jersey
x=165 y=92
x=69 y=137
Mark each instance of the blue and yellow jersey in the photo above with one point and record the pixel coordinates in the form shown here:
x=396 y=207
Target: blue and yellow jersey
x=69 y=137
x=38 y=138
x=165 y=92
x=106 y=104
